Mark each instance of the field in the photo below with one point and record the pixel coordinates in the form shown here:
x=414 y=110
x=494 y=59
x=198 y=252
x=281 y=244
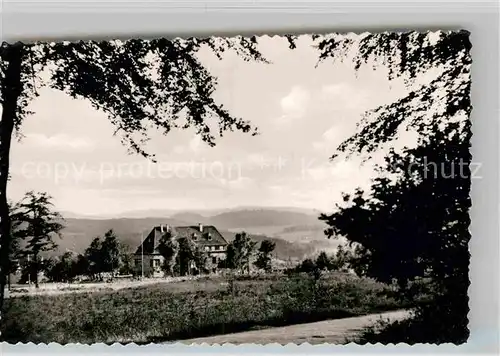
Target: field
x=188 y=309
x=18 y=290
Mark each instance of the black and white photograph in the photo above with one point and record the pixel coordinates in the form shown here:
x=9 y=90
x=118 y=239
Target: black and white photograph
x=302 y=188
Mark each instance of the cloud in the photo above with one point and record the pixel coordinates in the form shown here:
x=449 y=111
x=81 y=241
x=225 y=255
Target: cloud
x=331 y=134
x=192 y=145
x=260 y=160
x=240 y=183
x=256 y=159
x=344 y=96
x=195 y=143
x=59 y=141
x=300 y=108
x=333 y=89
x=294 y=105
x=296 y=101
x=179 y=150
x=338 y=171
x=334 y=136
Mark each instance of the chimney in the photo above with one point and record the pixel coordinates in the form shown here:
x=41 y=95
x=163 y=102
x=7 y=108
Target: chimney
x=201 y=227
x=161 y=228
x=167 y=227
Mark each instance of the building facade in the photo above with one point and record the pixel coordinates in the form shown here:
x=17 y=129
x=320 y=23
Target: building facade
x=149 y=261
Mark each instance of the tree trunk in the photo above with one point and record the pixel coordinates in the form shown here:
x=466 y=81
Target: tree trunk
x=36 y=265
x=11 y=90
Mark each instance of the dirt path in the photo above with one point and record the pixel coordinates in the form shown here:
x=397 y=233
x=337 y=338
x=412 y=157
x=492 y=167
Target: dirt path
x=329 y=331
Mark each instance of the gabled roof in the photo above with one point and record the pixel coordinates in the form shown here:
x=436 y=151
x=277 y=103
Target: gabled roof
x=209 y=236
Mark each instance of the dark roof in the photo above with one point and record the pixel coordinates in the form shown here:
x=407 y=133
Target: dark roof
x=209 y=237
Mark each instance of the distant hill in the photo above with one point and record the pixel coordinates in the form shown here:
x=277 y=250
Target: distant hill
x=78 y=233
x=304 y=228
x=262 y=217
x=193 y=213
x=192 y=217
x=302 y=233
x=257 y=220
x=143 y=214
x=296 y=231
x=274 y=208
x=284 y=249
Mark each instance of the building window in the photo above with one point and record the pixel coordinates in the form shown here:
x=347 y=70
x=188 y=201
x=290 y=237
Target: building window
x=156 y=263
x=214 y=260
x=207 y=248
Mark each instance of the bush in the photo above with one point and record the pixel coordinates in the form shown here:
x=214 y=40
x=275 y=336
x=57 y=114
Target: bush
x=436 y=322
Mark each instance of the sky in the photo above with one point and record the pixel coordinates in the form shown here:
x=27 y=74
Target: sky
x=302 y=111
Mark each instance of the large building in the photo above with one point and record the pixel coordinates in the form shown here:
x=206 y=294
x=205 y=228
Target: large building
x=149 y=261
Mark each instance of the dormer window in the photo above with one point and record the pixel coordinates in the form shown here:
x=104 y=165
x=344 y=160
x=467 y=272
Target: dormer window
x=194 y=237
x=209 y=237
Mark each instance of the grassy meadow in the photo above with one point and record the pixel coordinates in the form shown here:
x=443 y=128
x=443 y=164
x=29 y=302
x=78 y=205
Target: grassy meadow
x=173 y=311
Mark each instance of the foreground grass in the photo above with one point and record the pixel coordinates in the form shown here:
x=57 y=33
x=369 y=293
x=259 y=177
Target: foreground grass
x=167 y=312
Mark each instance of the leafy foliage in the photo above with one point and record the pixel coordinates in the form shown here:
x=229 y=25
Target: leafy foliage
x=93 y=258
x=240 y=252
x=185 y=256
x=407 y=55
x=307 y=265
x=413 y=222
x=30 y=269
x=264 y=258
x=323 y=262
x=342 y=260
x=168 y=248
x=428 y=230
x=104 y=255
x=62 y=269
x=139 y=85
x=81 y=266
x=110 y=252
x=200 y=259
x=17 y=217
x=126 y=260
x=181 y=255
x=41 y=224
